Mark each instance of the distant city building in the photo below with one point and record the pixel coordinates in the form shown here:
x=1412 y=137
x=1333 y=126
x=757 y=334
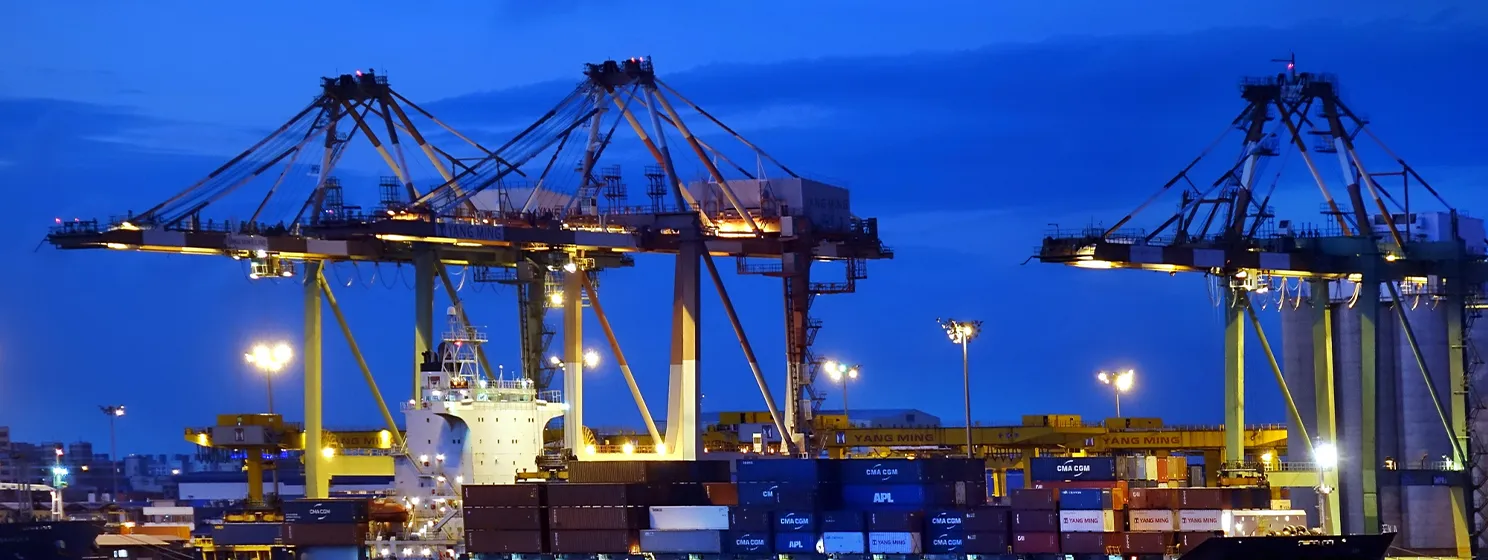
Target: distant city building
x=7 y=470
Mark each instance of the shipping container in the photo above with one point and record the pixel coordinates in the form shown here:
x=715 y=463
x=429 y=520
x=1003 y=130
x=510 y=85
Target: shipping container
x=747 y=542
x=505 y=542
x=594 y=542
x=1202 y=498
x=844 y=543
x=1072 y=468
x=895 y=521
x=1147 y=543
x=1187 y=541
x=894 y=543
x=683 y=542
x=1150 y=520
x=326 y=534
x=1085 y=542
x=689 y=518
x=749 y=519
x=987 y=519
x=596 y=518
x=721 y=493
x=1087 y=521
x=1086 y=498
x=1160 y=498
x=850 y=521
x=648 y=471
x=231 y=534
x=585 y=494
x=944 y=520
x=334 y=511
x=781 y=495
x=797 y=542
x=1034 y=499
x=779 y=470
x=504 y=518
x=1256 y=522
x=1035 y=521
x=1192 y=520
x=1196 y=476
x=881 y=471
x=944 y=542
x=985 y=543
x=1036 y=543
x=914 y=495
x=795 y=521
x=502 y=495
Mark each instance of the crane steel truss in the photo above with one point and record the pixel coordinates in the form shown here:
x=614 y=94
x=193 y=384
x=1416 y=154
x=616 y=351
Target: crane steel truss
x=1226 y=229
x=477 y=215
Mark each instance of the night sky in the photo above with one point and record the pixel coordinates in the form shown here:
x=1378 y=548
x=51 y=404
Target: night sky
x=966 y=130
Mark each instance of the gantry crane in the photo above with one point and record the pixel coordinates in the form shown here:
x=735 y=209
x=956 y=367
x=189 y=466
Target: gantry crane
x=487 y=212
x=1226 y=229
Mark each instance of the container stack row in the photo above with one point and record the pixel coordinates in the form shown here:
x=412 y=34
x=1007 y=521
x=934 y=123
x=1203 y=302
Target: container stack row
x=336 y=522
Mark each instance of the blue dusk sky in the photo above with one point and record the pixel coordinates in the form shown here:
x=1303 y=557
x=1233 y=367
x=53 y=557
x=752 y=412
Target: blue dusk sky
x=966 y=127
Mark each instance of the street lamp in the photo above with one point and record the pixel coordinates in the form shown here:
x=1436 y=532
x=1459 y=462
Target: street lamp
x=1326 y=457
x=1120 y=382
x=961 y=332
x=113 y=411
x=269 y=360
x=842 y=373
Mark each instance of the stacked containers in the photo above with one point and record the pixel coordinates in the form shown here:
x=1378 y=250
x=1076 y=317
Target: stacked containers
x=505 y=519
x=1089 y=520
x=896 y=493
x=1076 y=509
x=778 y=501
x=1035 y=521
x=331 y=522
x=608 y=507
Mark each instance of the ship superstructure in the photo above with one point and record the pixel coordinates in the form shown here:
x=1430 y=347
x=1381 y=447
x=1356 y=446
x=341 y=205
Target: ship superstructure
x=467 y=428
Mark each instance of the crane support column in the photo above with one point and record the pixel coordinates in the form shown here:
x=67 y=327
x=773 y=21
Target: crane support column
x=1365 y=516
x=1326 y=421
x=1235 y=303
x=423 y=310
x=684 y=441
x=1463 y=509
x=573 y=360
x=797 y=269
x=314 y=461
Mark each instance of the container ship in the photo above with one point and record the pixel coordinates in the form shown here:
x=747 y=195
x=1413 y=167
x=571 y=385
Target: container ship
x=463 y=490
x=43 y=537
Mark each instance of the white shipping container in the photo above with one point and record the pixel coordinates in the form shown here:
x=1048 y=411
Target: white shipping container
x=690 y=518
x=1257 y=522
x=1151 y=520
x=1087 y=521
x=843 y=543
x=1201 y=520
x=894 y=543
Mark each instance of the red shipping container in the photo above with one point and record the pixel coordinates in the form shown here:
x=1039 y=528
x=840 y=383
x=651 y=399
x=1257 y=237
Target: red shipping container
x=1187 y=541
x=1202 y=498
x=1035 y=522
x=992 y=519
x=1061 y=484
x=595 y=542
x=985 y=543
x=721 y=493
x=504 y=518
x=505 y=542
x=1137 y=498
x=1162 y=498
x=597 y=518
x=502 y=495
x=1146 y=543
x=1035 y=543
x=1035 y=499
x=1082 y=543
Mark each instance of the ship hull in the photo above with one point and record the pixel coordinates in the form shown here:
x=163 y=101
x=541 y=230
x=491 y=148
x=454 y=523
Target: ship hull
x=1332 y=547
x=48 y=540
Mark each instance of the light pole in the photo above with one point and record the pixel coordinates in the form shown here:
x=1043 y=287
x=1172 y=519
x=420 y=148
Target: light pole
x=1120 y=382
x=270 y=361
x=842 y=373
x=113 y=411
x=961 y=332
x=1326 y=457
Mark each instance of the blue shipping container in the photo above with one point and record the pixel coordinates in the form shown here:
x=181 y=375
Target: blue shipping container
x=944 y=520
x=777 y=470
x=784 y=495
x=1047 y=469
x=842 y=522
x=341 y=512
x=883 y=495
x=943 y=542
x=232 y=534
x=792 y=521
x=1014 y=481
x=736 y=542
x=881 y=471
x=795 y=542
x=1084 y=498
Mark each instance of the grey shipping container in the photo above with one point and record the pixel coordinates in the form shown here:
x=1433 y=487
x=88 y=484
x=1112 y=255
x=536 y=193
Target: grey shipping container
x=596 y=518
x=247 y=533
x=985 y=542
x=850 y=521
x=695 y=542
x=895 y=521
x=606 y=494
x=1035 y=522
x=333 y=511
x=505 y=542
x=986 y=519
x=593 y=542
x=749 y=519
x=502 y=495
x=504 y=518
x=325 y=534
x=747 y=542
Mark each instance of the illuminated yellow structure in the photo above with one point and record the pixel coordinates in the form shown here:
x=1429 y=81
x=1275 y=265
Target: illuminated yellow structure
x=260 y=436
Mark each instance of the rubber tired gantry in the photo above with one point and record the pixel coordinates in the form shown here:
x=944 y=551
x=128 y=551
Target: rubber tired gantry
x=1225 y=230
x=514 y=225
